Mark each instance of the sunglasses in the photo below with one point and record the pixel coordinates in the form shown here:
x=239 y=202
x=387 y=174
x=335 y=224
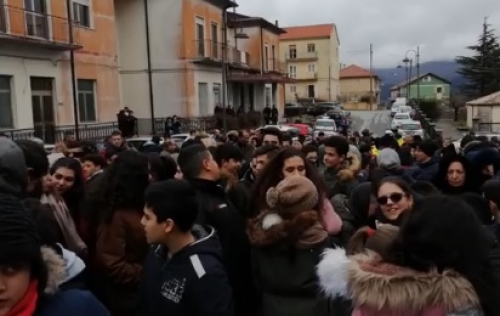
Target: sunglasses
x=394 y=197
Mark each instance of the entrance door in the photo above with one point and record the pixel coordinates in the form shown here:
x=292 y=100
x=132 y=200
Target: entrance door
x=42 y=103
x=203 y=98
x=310 y=91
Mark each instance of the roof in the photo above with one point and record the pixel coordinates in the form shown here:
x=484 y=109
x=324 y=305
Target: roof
x=491 y=99
x=239 y=20
x=308 y=31
x=223 y=4
x=354 y=71
x=415 y=78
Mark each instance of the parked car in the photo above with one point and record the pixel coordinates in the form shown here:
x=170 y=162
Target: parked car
x=342 y=118
x=411 y=128
x=294 y=109
x=399 y=118
x=394 y=109
x=325 y=125
x=138 y=141
x=321 y=108
x=293 y=131
x=179 y=139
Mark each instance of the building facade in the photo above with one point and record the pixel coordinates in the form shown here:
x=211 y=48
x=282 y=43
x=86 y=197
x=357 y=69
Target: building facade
x=357 y=85
x=171 y=58
x=431 y=87
x=311 y=55
x=36 y=38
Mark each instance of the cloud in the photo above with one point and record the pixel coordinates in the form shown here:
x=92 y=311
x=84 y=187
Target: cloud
x=442 y=28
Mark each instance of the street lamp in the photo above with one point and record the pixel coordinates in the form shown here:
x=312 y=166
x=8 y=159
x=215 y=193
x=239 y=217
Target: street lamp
x=409 y=62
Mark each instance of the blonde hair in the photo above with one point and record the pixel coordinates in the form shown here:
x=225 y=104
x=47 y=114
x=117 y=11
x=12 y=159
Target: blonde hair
x=60 y=147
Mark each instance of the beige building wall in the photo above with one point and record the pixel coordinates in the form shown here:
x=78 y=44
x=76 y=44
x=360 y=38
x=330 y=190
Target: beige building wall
x=319 y=69
x=356 y=88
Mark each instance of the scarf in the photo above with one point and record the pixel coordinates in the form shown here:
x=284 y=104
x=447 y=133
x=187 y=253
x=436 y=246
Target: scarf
x=72 y=239
x=27 y=305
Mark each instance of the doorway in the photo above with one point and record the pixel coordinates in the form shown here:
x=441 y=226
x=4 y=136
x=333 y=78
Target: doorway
x=310 y=91
x=203 y=98
x=42 y=103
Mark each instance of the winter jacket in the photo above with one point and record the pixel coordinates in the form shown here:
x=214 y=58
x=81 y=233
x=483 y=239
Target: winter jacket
x=378 y=288
x=426 y=171
x=342 y=180
x=56 y=302
x=193 y=282
x=216 y=210
x=120 y=252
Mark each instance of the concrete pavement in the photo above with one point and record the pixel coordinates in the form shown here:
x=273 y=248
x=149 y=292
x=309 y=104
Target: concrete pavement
x=376 y=121
x=449 y=130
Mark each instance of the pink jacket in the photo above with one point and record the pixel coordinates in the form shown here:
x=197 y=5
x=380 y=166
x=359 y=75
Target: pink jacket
x=377 y=288
x=329 y=219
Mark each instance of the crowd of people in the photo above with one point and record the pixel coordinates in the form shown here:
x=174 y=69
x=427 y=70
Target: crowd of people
x=251 y=223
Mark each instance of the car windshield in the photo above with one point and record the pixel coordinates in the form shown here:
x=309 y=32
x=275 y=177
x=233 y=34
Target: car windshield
x=324 y=123
x=410 y=127
x=401 y=117
x=405 y=109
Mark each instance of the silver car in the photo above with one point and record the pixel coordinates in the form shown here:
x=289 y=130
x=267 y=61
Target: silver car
x=411 y=128
x=325 y=125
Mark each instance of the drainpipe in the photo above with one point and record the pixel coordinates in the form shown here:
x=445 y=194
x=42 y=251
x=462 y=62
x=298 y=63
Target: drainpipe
x=224 y=69
x=150 y=73
x=72 y=67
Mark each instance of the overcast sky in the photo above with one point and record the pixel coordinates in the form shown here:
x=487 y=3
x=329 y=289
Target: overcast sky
x=442 y=28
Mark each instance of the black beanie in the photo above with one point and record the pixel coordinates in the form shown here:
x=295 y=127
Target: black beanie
x=19 y=239
x=427 y=147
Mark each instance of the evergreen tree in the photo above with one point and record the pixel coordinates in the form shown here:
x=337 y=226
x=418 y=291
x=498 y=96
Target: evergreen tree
x=482 y=69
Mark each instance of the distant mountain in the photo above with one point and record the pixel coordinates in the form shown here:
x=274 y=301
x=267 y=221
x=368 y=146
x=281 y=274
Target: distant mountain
x=446 y=69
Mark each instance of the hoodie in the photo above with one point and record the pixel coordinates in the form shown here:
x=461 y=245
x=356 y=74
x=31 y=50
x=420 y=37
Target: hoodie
x=13 y=170
x=192 y=282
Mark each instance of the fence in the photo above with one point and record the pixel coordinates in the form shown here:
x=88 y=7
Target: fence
x=493 y=128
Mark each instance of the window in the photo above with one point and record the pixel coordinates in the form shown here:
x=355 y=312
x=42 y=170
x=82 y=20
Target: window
x=292 y=71
x=293 y=89
x=216 y=89
x=310 y=91
x=439 y=90
x=311 y=67
x=266 y=57
x=3 y=17
x=36 y=18
x=81 y=12
x=5 y=103
x=268 y=96
x=86 y=100
x=292 y=51
x=200 y=36
x=311 y=48
x=215 y=41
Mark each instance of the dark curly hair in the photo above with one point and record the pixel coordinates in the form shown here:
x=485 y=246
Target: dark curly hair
x=126 y=180
x=73 y=197
x=272 y=174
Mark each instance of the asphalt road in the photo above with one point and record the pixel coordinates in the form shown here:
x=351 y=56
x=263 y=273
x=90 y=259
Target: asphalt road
x=376 y=121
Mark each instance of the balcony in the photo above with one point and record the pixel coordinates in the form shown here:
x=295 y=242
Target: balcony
x=20 y=27
x=274 y=65
x=301 y=56
x=211 y=52
x=308 y=76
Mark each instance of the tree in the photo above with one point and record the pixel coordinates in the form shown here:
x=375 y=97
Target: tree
x=482 y=69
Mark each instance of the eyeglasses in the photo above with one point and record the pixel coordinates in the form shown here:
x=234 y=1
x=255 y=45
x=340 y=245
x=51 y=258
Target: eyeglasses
x=394 y=197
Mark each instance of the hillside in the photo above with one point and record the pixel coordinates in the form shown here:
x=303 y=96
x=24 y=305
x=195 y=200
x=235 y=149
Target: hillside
x=393 y=76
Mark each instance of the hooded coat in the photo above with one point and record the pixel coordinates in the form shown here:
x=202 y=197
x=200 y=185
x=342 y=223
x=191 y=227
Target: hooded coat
x=378 y=288
x=55 y=302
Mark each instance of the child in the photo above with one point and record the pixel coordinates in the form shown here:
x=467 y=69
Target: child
x=183 y=274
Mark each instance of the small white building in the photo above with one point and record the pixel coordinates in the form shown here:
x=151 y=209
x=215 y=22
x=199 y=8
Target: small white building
x=483 y=114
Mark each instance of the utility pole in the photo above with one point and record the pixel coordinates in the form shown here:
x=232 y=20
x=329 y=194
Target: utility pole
x=418 y=75
x=371 y=77
x=224 y=69
x=73 y=72
x=409 y=79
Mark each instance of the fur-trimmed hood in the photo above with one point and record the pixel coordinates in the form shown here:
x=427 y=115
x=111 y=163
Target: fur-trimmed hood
x=350 y=168
x=377 y=285
x=55 y=270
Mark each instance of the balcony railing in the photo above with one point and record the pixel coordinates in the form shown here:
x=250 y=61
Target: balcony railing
x=211 y=50
x=301 y=56
x=22 y=26
x=274 y=65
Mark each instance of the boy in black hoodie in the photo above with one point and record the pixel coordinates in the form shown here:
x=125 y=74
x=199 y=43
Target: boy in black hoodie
x=183 y=274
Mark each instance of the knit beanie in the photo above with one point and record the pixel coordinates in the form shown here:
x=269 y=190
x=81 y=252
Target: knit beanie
x=19 y=239
x=293 y=195
x=14 y=173
x=491 y=191
x=428 y=148
x=388 y=158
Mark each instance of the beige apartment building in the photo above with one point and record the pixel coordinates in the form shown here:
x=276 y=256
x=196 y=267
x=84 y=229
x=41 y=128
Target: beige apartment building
x=311 y=55
x=356 y=86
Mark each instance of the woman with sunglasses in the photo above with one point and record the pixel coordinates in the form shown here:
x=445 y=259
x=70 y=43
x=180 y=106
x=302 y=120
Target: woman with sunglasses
x=394 y=197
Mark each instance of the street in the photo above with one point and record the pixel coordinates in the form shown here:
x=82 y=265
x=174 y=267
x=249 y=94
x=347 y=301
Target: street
x=376 y=121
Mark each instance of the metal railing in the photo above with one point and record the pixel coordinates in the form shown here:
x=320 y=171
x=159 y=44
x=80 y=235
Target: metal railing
x=488 y=127
x=90 y=132
x=213 y=50
x=22 y=23
x=206 y=123
x=274 y=65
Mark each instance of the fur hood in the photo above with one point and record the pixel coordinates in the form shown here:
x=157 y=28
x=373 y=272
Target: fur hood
x=55 y=269
x=369 y=282
x=350 y=168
